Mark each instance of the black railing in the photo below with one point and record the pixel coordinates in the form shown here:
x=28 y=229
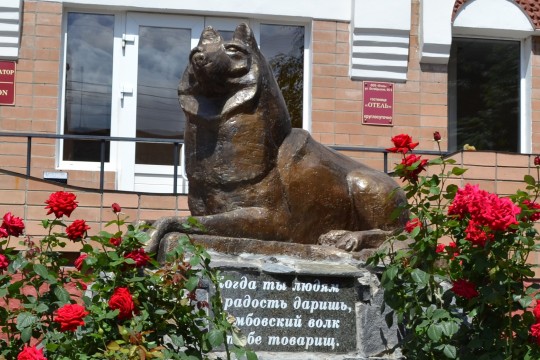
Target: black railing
x=176 y=143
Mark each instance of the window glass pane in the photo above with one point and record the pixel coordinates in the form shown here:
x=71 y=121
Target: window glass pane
x=163 y=56
x=283 y=47
x=486 y=82
x=88 y=89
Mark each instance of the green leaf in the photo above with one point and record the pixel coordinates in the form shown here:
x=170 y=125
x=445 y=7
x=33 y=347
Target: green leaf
x=391 y=272
x=434 y=332
x=420 y=277
x=450 y=351
x=529 y=180
x=192 y=283
x=449 y=328
x=25 y=320
x=458 y=171
x=42 y=271
x=62 y=295
x=26 y=334
x=215 y=337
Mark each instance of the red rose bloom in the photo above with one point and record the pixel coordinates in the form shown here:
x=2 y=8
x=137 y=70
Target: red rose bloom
x=140 y=257
x=116 y=208
x=13 y=225
x=4 y=262
x=70 y=317
x=464 y=288
x=412 y=224
x=535 y=333
x=79 y=261
x=537 y=160
x=77 y=230
x=3 y=233
x=486 y=211
x=61 y=203
x=440 y=248
x=436 y=136
x=115 y=241
x=31 y=353
x=402 y=143
x=122 y=300
x=409 y=161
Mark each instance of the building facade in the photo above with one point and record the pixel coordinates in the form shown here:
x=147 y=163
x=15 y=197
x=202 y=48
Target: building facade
x=468 y=69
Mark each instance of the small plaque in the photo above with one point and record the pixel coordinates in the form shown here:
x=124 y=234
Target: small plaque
x=287 y=313
x=378 y=103
x=7 y=82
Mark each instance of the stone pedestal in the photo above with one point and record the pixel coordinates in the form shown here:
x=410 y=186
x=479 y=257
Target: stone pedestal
x=296 y=302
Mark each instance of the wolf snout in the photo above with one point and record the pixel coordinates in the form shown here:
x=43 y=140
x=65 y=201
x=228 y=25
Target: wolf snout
x=199 y=59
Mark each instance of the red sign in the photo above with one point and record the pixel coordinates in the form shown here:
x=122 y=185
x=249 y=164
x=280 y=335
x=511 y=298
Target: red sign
x=7 y=82
x=378 y=103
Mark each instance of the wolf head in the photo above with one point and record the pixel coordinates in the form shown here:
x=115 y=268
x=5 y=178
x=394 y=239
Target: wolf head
x=224 y=78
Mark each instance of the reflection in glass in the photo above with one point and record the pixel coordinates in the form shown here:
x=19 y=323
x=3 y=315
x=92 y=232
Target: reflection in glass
x=484 y=78
x=89 y=64
x=283 y=47
x=163 y=56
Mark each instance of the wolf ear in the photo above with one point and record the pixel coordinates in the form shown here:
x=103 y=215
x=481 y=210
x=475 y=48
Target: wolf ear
x=210 y=36
x=244 y=35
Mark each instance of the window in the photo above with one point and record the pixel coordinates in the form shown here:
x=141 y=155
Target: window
x=121 y=78
x=484 y=89
x=283 y=47
x=88 y=84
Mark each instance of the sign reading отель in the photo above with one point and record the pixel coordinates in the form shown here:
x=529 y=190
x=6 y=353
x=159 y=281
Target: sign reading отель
x=7 y=82
x=378 y=103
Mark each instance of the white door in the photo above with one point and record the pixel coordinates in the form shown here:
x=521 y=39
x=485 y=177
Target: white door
x=155 y=55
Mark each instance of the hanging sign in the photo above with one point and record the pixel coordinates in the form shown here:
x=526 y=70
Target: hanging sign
x=7 y=82
x=378 y=103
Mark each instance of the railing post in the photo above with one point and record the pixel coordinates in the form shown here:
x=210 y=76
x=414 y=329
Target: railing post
x=385 y=162
x=175 y=168
x=102 y=166
x=28 y=155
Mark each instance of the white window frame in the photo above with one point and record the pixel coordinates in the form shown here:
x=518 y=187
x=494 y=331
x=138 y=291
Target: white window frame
x=111 y=165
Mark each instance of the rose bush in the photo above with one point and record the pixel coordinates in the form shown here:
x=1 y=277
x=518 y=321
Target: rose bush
x=460 y=287
x=116 y=303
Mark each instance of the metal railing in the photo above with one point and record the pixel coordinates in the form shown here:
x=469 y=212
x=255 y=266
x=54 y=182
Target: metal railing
x=103 y=140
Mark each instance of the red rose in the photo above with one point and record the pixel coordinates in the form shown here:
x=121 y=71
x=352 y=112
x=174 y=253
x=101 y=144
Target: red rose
x=116 y=208
x=537 y=160
x=77 y=230
x=82 y=285
x=440 y=248
x=31 y=353
x=79 y=261
x=436 y=136
x=13 y=224
x=3 y=233
x=115 y=241
x=61 y=203
x=464 y=288
x=410 y=171
x=535 y=332
x=70 y=316
x=4 y=262
x=122 y=300
x=140 y=257
x=402 y=143
x=412 y=224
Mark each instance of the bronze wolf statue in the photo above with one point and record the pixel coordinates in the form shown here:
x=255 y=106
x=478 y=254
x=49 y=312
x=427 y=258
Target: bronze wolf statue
x=251 y=175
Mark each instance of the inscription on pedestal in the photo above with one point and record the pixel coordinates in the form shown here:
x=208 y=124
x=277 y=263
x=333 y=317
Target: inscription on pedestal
x=292 y=313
